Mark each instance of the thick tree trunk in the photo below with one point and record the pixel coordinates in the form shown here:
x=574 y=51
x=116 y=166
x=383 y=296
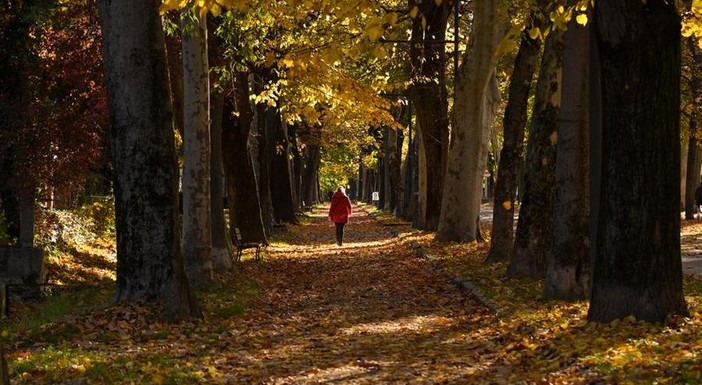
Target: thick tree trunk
x=381 y=184
x=243 y=202
x=637 y=251
x=197 y=241
x=568 y=269
x=393 y=179
x=309 y=181
x=532 y=243
x=510 y=162
x=296 y=168
x=472 y=113
x=149 y=260
x=221 y=252
x=430 y=97
x=694 y=152
x=175 y=77
x=280 y=175
x=27 y=201
x=411 y=181
x=264 y=152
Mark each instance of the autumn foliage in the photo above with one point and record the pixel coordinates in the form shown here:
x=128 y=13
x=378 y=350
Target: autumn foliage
x=380 y=309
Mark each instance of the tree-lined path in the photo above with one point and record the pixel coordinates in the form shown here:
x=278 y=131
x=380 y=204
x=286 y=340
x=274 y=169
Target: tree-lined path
x=370 y=311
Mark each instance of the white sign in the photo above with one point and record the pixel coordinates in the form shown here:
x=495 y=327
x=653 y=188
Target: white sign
x=376 y=196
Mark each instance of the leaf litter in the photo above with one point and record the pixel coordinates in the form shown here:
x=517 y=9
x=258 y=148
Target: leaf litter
x=372 y=311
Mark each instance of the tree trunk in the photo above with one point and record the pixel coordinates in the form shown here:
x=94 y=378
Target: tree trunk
x=309 y=181
x=27 y=201
x=510 y=162
x=197 y=236
x=472 y=112
x=694 y=152
x=280 y=178
x=381 y=183
x=411 y=181
x=149 y=260
x=221 y=254
x=296 y=168
x=361 y=179
x=243 y=202
x=429 y=95
x=532 y=243
x=638 y=270
x=175 y=76
x=568 y=269
x=264 y=142
x=393 y=179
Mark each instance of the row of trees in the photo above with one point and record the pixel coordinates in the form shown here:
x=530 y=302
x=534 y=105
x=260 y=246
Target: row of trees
x=266 y=94
x=601 y=179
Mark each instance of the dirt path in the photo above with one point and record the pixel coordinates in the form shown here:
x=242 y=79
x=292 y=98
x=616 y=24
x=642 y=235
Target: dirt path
x=367 y=312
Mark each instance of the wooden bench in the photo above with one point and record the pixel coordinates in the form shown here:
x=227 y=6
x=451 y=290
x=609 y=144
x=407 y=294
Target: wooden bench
x=241 y=246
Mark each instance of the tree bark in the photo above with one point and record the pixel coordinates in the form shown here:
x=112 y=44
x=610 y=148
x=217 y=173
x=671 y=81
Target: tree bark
x=296 y=168
x=510 y=162
x=264 y=153
x=309 y=180
x=638 y=270
x=429 y=95
x=197 y=236
x=27 y=202
x=568 y=269
x=694 y=152
x=149 y=260
x=221 y=246
x=243 y=202
x=472 y=112
x=280 y=175
x=532 y=243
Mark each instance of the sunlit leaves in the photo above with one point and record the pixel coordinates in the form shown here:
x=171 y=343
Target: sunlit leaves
x=692 y=22
x=581 y=19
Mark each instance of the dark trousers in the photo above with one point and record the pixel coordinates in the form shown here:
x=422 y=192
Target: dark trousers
x=339 y=233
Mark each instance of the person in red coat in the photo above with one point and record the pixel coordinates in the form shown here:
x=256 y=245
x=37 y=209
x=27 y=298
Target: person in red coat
x=339 y=212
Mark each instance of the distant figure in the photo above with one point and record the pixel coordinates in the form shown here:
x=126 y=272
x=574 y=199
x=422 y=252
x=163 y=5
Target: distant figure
x=339 y=212
x=330 y=194
x=698 y=196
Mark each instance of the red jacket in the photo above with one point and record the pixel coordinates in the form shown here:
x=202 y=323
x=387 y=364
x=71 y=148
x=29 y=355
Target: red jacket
x=340 y=209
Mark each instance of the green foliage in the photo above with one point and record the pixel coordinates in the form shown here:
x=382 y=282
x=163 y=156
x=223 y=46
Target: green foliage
x=339 y=165
x=100 y=215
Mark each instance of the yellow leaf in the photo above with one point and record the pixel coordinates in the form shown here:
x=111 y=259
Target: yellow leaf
x=534 y=33
x=392 y=18
x=581 y=19
x=438 y=2
x=413 y=13
x=374 y=33
x=561 y=9
x=379 y=52
x=507 y=205
x=157 y=379
x=288 y=62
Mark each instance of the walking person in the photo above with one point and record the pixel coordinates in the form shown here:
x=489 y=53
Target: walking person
x=339 y=212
